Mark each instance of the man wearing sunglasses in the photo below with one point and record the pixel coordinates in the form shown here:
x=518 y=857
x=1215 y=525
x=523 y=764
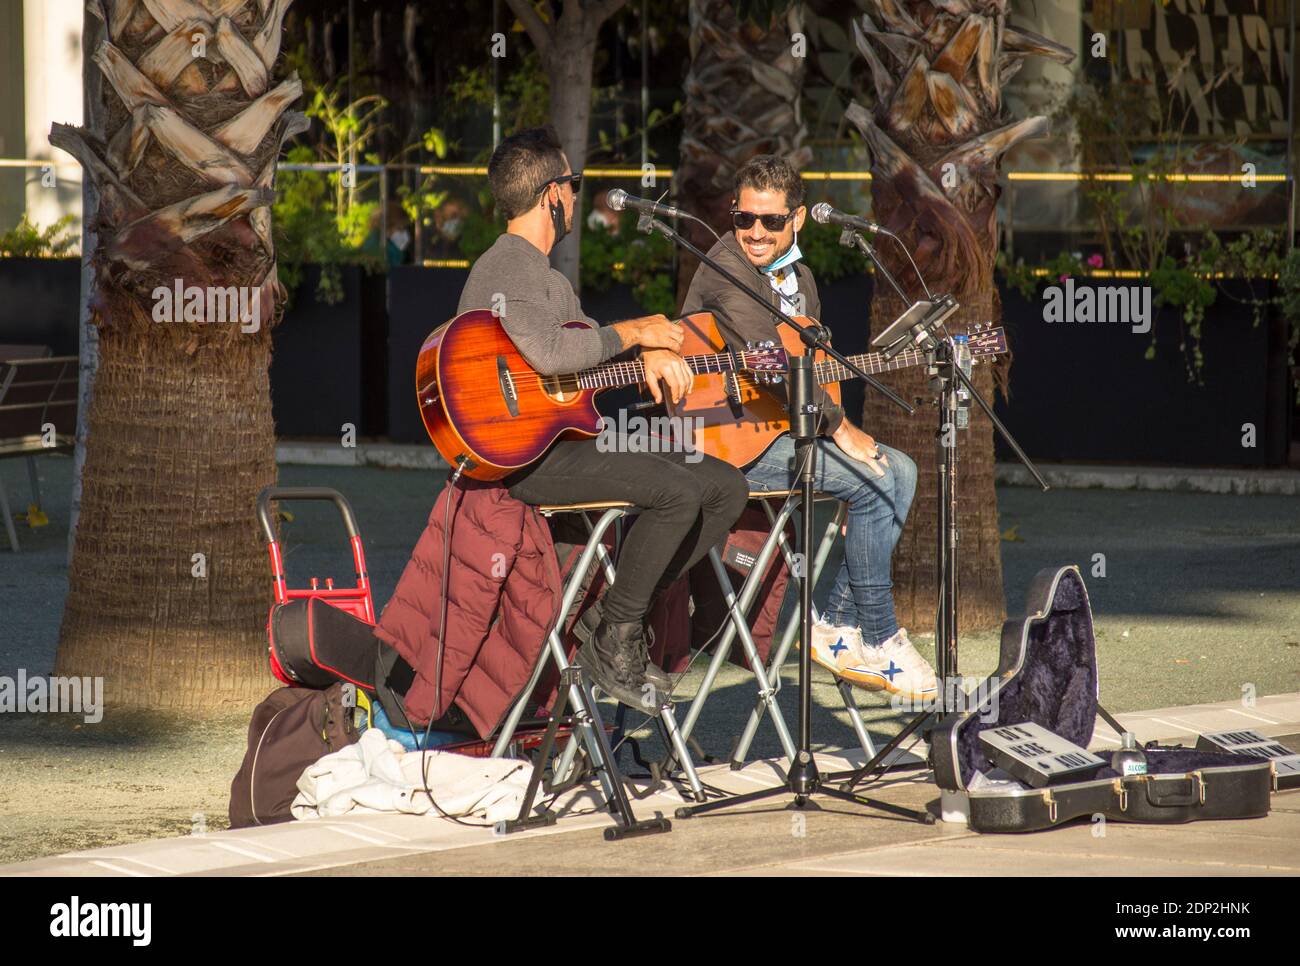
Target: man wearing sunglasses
x=685 y=507
x=857 y=637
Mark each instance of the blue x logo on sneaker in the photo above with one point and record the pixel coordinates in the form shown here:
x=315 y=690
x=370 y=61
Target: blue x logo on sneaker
x=891 y=671
x=838 y=646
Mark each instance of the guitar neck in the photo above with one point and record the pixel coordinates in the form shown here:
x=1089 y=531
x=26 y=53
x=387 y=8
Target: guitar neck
x=831 y=370
x=632 y=372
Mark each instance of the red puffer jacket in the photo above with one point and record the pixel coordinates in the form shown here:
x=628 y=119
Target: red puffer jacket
x=503 y=597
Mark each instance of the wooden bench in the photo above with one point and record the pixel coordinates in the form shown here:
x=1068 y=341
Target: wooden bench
x=38 y=413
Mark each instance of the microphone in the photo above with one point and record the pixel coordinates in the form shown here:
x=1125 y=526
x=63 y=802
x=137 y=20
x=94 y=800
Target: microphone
x=618 y=199
x=824 y=214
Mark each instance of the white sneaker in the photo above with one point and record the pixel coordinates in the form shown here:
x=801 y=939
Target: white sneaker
x=899 y=668
x=840 y=651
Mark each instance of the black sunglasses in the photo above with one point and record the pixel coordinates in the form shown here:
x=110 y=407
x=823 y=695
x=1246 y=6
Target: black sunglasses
x=745 y=219
x=574 y=181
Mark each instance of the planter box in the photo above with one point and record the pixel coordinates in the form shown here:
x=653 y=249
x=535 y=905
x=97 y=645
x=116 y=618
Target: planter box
x=40 y=302
x=1085 y=391
x=846 y=311
x=419 y=300
x=328 y=361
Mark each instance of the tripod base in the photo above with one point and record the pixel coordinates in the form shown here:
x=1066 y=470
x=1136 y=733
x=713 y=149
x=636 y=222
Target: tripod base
x=649 y=826
x=803 y=782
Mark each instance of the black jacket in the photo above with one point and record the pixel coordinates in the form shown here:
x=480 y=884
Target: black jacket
x=739 y=317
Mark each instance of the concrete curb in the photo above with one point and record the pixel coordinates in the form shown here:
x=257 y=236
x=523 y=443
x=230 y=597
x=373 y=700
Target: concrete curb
x=405 y=456
x=1242 y=482
x=1062 y=476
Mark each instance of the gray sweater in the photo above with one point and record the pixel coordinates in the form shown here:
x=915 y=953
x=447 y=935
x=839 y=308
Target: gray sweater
x=515 y=280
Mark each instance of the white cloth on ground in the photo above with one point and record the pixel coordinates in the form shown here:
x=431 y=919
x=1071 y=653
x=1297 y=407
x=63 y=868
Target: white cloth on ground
x=379 y=775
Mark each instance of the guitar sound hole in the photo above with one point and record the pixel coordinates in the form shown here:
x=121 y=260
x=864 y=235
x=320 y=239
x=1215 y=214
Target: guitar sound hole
x=561 y=389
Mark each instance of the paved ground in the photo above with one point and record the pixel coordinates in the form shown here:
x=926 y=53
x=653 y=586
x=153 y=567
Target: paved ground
x=765 y=839
x=1200 y=602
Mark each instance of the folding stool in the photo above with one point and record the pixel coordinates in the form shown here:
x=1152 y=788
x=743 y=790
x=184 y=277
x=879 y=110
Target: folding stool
x=577 y=692
x=768 y=678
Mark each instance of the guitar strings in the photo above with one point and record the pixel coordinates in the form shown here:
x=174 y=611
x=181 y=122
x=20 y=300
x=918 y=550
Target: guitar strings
x=629 y=370
x=635 y=371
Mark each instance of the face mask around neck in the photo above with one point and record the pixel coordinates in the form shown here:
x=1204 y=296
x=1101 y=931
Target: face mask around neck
x=789 y=258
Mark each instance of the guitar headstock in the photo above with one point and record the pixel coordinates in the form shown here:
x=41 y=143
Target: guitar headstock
x=766 y=360
x=987 y=341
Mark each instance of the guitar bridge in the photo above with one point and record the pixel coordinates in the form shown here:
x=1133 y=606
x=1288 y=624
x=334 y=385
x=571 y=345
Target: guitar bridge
x=507 y=385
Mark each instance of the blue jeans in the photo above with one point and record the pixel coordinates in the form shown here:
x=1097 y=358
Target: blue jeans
x=877 y=509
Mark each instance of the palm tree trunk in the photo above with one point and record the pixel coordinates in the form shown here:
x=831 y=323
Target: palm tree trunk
x=168 y=584
x=180 y=444
x=743 y=95
x=566 y=43
x=937 y=132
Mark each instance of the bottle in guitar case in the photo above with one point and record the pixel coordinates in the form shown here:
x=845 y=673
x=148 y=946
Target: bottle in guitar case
x=1130 y=759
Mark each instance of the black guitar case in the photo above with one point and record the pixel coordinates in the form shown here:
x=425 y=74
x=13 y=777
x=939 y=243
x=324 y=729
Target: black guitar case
x=1047 y=675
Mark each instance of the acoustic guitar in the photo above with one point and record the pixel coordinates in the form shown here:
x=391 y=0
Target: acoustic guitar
x=481 y=402
x=736 y=421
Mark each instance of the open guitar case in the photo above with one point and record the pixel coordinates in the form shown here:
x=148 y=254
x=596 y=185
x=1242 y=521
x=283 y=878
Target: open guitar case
x=1047 y=675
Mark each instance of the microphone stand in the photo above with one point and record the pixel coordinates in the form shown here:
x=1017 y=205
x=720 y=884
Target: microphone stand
x=802 y=779
x=950 y=380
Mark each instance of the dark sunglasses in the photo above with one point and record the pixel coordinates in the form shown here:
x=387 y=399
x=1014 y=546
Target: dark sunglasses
x=574 y=181
x=745 y=220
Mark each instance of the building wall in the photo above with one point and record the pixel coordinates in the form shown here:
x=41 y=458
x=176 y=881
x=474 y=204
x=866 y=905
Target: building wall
x=52 y=92
x=40 y=82
x=13 y=134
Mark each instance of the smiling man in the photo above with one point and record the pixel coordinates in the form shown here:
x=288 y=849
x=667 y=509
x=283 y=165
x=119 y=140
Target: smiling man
x=857 y=637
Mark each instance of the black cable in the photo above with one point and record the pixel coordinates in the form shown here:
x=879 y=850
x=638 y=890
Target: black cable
x=919 y=276
x=701 y=221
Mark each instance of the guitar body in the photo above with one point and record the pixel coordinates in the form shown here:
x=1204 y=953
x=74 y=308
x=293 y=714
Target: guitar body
x=740 y=420
x=479 y=399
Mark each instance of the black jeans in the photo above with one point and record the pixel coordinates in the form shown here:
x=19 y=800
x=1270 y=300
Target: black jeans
x=686 y=508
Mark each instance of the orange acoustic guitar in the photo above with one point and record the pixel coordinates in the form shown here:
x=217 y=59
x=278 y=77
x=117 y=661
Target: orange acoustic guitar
x=480 y=401
x=736 y=421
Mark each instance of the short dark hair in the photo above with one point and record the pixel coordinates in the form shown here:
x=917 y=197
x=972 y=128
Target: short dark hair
x=520 y=165
x=767 y=172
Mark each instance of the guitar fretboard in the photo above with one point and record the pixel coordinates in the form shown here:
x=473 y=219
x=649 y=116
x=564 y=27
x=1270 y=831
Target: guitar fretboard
x=831 y=370
x=633 y=372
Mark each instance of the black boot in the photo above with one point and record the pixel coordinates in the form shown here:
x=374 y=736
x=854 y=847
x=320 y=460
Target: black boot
x=614 y=660
x=655 y=676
